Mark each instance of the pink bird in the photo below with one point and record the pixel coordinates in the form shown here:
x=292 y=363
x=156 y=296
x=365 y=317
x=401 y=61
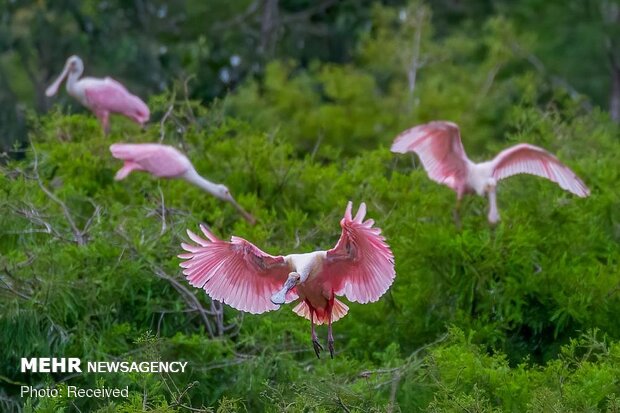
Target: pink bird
x=164 y=161
x=360 y=267
x=101 y=96
x=438 y=144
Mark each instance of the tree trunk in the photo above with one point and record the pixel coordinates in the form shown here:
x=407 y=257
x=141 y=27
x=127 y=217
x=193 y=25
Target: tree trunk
x=614 y=99
x=269 y=26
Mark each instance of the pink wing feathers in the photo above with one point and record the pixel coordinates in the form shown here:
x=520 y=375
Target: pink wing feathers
x=530 y=159
x=361 y=265
x=438 y=144
x=109 y=95
x=163 y=161
x=237 y=272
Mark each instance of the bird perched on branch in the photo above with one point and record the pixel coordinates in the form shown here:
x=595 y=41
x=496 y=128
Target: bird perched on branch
x=101 y=96
x=438 y=144
x=164 y=161
x=360 y=267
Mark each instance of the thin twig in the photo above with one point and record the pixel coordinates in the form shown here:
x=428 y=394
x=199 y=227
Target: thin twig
x=189 y=298
x=163 y=212
x=14 y=291
x=186 y=91
x=162 y=129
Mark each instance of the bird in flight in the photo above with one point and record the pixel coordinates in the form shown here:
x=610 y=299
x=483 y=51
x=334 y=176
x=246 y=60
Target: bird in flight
x=164 y=161
x=101 y=96
x=439 y=146
x=360 y=267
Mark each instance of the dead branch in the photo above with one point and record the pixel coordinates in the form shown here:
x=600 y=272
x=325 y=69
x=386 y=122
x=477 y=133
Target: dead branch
x=186 y=92
x=415 y=59
x=79 y=235
x=397 y=373
x=35 y=217
x=488 y=83
x=217 y=309
x=239 y=19
x=555 y=80
x=10 y=288
x=189 y=298
x=162 y=129
x=95 y=215
x=163 y=212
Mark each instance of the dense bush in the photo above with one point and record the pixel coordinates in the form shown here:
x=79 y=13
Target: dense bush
x=521 y=317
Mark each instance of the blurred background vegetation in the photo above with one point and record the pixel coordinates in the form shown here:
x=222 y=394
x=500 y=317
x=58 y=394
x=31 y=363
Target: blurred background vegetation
x=293 y=104
x=219 y=44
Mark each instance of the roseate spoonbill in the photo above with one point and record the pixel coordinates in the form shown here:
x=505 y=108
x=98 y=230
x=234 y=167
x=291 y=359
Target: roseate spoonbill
x=360 y=267
x=101 y=96
x=164 y=161
x=439 y=146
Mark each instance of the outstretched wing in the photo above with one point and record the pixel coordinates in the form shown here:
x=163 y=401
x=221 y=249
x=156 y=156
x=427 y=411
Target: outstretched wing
x=361 y=265
x=237 y=272
x=438 y=144
x=530 y=159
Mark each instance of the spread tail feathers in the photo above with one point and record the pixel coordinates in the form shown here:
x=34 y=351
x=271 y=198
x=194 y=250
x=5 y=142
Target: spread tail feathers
x=339 y=310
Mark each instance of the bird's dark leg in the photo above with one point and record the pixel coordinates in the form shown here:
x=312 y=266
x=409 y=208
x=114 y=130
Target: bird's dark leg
x=456 y=214
x=330 y=336
x=315 y=341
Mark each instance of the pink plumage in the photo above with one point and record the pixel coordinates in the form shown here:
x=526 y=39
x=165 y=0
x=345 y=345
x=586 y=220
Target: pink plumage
x=164 y=161
x=237 y=272
x=360 y=267
x=108 y=95
x=101 y=96
x=530 y=159
x=438 y=144
x=367 y=277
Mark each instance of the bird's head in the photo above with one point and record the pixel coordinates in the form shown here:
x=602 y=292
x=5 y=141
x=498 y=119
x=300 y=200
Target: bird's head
x=222 y=192
x=291 y=282
x=74 y=66
x=488 y=187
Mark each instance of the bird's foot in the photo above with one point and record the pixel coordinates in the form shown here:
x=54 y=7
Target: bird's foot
x=317 y=347
x=330 y=346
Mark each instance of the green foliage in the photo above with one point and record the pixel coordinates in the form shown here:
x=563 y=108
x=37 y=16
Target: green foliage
x=517 y=318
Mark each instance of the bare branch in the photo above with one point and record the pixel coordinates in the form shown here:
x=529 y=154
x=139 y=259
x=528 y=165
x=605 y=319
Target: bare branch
x=186 y=92
x=415 y=59
x=77 y=233
x=239 y=19
x=14 y=291
x=190 y=298
x=554 y=79
x=162 y=129
x=163 y=212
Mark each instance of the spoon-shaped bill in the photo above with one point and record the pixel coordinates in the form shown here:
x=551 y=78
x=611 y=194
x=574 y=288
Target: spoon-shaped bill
x=280 y=296
x=248 y=217
x=53 y=88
